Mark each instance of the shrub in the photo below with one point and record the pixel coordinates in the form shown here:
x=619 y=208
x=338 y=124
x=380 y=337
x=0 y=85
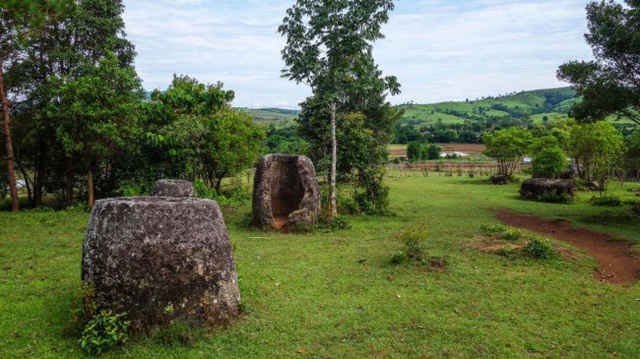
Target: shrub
x=636 y=209
x=501 y=231
x=372 y=195
x=103 y=332
x=492 y=229
x=555 y=197
x=606 y=201
x=550 y=162
x=540 y=249
x=413 y=241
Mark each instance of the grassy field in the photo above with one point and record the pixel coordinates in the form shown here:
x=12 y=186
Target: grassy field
x=335 y=295
x=553 y=103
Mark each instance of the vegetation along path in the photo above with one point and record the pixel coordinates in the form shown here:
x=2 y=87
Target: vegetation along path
x=616 y=259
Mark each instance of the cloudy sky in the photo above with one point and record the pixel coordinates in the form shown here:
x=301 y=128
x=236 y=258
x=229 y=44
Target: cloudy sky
x=439 y=49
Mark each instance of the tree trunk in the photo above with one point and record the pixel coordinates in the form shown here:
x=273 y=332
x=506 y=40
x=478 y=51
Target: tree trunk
x=333 y=207
x=68 y=181
x=39 y=176
x=92 y=199
x=13 y=188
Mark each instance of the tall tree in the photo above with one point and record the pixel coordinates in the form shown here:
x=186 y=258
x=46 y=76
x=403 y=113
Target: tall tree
x=198 y=134
x=96 y=112
x=609 y=85
x=327 y=43
x=12 y=23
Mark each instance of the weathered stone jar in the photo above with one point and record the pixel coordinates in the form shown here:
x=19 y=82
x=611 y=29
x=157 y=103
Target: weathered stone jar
x=161 y=259
x=285 y=193
x=173 y=188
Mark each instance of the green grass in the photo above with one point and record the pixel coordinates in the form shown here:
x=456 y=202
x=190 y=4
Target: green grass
x=335 y=295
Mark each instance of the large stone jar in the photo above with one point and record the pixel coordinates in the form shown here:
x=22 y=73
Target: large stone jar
x=161 y=259
x=285 y=192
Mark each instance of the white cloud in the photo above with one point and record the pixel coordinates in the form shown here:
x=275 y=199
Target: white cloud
x=439 y=50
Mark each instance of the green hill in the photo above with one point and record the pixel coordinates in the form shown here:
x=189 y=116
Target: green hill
x=271 y=115
x=552 y=103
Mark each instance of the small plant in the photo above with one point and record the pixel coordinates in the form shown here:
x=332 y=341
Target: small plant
x=398 y=258
x=511 y=234
x=413 y=241
x=606 y=201
x=103 y=332
x=540 y=249
x=501 y=231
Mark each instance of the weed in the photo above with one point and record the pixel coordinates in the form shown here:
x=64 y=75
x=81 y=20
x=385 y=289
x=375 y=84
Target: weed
x=540 y=249
x=413 y=241
x=103 y=332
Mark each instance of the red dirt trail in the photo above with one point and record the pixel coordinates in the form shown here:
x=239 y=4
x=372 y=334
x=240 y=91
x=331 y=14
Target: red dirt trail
x=618 y=264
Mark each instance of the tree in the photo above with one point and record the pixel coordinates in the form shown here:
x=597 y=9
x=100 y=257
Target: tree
x=73 y=37
x=508 y=147
x=597 y=150
x=199 y=134
x=328 y=43
x=433 y=152
x=609 y=85
x=632 y=155
x=13 y=25
x=416 y=151
x=549 y=160
x=97 y=112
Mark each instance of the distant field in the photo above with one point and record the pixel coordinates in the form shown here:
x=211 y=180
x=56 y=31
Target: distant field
x=473 y=150
x=272 y=114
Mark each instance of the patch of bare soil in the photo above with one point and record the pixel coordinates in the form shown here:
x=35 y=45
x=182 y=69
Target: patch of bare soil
x=618 y=264
x=280 y=222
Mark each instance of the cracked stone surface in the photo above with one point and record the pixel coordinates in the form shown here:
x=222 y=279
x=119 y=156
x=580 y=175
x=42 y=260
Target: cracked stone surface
x=159 y=259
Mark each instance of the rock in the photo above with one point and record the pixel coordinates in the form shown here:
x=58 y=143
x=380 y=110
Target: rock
x=551 y=190
x=500 y=179
x=286 y=193
x=173 y=188
x=161 y=259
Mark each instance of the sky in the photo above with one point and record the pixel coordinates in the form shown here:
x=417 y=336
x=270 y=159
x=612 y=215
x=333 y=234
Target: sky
x=440 y=50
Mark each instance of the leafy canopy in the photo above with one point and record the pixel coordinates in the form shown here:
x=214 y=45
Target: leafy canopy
x=611 y=83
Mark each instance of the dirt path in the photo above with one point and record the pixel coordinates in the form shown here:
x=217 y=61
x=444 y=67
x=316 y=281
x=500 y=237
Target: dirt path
x=617 y=262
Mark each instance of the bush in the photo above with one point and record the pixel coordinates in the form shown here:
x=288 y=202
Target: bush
x=555 y=197
x=606 y=201
x=413 y=241
x=636 y=209
x=550 y=162
x=502 y=232
x=236 y=196
x=540 y=249
x=103 y=332
x=372 y=196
